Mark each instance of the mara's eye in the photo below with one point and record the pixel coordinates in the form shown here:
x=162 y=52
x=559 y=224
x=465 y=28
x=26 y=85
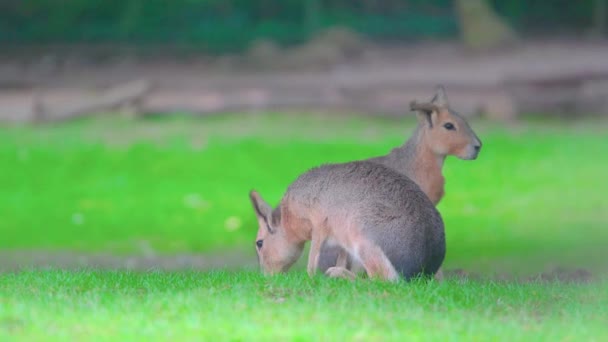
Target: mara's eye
x=259 y=243
x=449 y=126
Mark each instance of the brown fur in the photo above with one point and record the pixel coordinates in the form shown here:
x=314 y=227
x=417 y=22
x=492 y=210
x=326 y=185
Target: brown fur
x=377 y=215
x=421 y=158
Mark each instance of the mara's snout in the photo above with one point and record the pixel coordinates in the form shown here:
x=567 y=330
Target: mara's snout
x=472 y=150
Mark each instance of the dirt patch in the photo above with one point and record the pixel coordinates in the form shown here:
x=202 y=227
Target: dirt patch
x=578 y=275
x=11 y=261
x=558 y=274
x=14 y=261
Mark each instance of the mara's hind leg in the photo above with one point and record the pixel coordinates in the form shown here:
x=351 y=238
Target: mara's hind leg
x=375 y=262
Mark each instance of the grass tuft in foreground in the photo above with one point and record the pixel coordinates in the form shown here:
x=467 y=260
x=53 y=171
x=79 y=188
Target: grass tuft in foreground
x=59 y=305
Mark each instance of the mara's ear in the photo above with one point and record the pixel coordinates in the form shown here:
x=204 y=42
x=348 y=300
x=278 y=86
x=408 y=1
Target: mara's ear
x=263 y=211
x=441 y=98
x=425 y=111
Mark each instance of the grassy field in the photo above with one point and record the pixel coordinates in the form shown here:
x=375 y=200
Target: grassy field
x=56 y=305
x=535 y=199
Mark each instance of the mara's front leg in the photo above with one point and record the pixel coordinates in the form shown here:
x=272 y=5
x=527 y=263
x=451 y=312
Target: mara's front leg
x=342 y=259
x=318 y=238
x=340 y=270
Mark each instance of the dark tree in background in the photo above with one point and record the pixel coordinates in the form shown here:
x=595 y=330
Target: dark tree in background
x=600 y=12
x=312 y=15
x=481 y=27
x=225 y=26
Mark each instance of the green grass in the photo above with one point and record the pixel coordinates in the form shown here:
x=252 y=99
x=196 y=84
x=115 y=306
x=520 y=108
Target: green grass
x=57 y=305
x=534 y=198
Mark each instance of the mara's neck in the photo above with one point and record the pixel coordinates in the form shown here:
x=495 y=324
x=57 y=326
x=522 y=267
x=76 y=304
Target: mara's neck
x=417 y=161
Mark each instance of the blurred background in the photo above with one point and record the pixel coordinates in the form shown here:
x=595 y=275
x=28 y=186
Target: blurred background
x=131 y=131
x=209 y=56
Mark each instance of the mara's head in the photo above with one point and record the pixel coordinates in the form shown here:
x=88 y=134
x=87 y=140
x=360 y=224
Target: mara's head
x=275 y=250
x=445 y=132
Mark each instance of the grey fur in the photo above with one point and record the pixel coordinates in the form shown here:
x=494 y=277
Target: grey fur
x=389 y=208
x=399 y=159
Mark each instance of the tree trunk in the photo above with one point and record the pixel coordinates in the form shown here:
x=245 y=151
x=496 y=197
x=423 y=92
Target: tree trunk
x=480 y=27
x=600 y=12
x=312 y=14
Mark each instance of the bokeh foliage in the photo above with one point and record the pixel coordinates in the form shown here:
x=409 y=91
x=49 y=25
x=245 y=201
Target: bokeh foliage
x=230 y=25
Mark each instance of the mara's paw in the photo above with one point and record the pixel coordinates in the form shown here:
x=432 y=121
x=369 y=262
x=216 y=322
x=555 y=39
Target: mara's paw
x=340 y=272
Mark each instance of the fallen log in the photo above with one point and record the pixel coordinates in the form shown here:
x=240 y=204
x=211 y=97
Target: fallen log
x=128 y=94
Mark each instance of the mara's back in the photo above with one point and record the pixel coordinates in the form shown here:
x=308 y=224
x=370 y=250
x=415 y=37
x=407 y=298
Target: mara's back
x=389 y=208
